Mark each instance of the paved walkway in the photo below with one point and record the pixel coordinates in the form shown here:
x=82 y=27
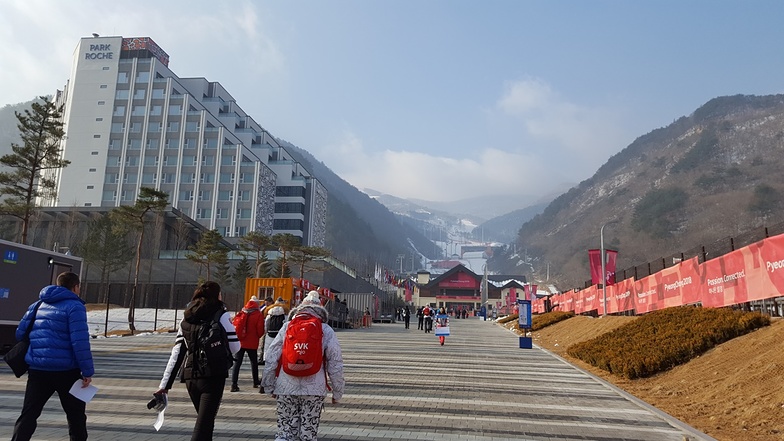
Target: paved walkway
x=401 y=385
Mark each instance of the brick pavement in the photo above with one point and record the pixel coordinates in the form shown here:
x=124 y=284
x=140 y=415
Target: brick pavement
x=401 y=385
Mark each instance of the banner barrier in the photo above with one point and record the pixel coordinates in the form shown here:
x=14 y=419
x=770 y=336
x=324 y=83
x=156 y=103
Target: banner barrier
x=754 y=272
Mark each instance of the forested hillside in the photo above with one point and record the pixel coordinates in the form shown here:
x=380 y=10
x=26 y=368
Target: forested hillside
x=707 y=176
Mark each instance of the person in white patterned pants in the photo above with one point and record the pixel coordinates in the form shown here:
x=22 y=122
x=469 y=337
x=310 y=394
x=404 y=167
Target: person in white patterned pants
x=300 y=399
x=298 y=417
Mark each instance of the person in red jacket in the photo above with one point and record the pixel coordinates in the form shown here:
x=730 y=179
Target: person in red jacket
x=249 y=324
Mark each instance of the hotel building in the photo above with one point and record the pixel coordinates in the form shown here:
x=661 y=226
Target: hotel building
x=131 y=122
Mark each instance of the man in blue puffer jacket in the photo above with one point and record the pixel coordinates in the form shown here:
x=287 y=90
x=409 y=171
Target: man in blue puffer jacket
x=59 y=356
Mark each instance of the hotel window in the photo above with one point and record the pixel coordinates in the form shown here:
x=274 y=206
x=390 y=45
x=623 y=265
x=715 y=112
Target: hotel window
x=115 y=144
x=169 y=160
x=192 y=126
x=127 y=195
x=225 y=195
x=229 y=160
x=207 y=178
x=152 y=144
x=207 y=160
x=142 y=77
x=246 y=178
x=190 y=143
x=151 y=160
x=134 y=144
x=175 y=109
x=101 y=103
x=112 y=178
x=156 y=110
x=245 y=195
x=203 y=213
x=173 y=126
x=132 y=161
x=104 y=68
x=96 y=136
x=118 y=127
x=188 y=178
x=204 y=195
x=138 y=110
x=109 y=196
x=89 y=204
x=103 y=86
x=129 y=178
x=240 y=231
x=227 y=178
x=188 y=160
x=92 y=170
x=94 y=153
x=149 y=178
x=172 y=143
x=222 y=213
x=138 y=94
x=186 y=195
x=122 y=77
x=158 y=93
x=222 y=231
x=136 y=127
x=243 y=213
x=90 y=187
x=122 y=94
x=153 y=127
x=99 y=119
x=211 y=143
x=119 y=111
x=167 y=178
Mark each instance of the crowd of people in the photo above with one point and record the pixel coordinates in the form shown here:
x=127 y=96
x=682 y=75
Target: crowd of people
x=209 y=346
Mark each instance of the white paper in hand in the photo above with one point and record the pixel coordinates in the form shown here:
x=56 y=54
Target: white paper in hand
x=161 y=409
x=83 y=393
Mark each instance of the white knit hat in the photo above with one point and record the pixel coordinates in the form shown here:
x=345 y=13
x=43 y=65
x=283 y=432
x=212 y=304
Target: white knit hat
x=312 y=299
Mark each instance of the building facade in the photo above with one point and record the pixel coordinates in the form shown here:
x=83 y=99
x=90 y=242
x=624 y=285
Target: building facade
x=130 y=122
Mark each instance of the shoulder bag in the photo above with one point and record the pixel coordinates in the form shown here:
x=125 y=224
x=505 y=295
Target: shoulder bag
x=16 y=356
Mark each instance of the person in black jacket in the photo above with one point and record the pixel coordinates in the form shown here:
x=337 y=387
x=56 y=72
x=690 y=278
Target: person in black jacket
x=205 y=392
x=420 y=318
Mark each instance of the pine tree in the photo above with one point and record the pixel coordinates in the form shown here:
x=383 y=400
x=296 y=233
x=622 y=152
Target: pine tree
x=129 y=218
x=33 y=162
x=208 y=251
x=242 y=271
x=105 y=248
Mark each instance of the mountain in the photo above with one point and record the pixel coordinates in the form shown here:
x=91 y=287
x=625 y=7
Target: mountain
x=710 y=175
x=360 y=230
x=504 y=228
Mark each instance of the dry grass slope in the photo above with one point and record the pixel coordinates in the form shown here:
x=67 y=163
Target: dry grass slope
x=733 y=392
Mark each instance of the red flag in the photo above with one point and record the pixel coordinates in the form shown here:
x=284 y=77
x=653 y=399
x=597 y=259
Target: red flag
x=609 y=267
x=595 y=259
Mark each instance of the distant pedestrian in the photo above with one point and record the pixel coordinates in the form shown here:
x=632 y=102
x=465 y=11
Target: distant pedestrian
x=428 y=313
x=420 y=318
x=249 y=325
x=268 y=302
x=205 y=391
x=59 y=356
x=300 y=399
x=407 y=315
x=276 y=317
x=442 y=321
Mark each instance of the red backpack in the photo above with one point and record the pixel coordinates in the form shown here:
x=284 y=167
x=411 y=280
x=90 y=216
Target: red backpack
x=241 y=324
x=303 y=354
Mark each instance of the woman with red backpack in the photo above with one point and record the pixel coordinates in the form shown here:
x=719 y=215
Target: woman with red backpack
x=302 y=362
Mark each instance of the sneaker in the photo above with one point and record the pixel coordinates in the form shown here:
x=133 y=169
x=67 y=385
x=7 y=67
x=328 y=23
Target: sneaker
x=235 y=388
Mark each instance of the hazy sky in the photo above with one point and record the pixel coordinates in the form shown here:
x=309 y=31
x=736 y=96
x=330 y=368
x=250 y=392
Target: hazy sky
x=439 y=100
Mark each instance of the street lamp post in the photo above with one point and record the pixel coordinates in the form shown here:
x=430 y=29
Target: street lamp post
x=604 y=274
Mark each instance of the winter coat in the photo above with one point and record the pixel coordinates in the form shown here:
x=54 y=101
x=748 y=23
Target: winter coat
x=316 y=384
x=275 y=310
x=195 y=315
x=60 y=338
x=254 y=329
